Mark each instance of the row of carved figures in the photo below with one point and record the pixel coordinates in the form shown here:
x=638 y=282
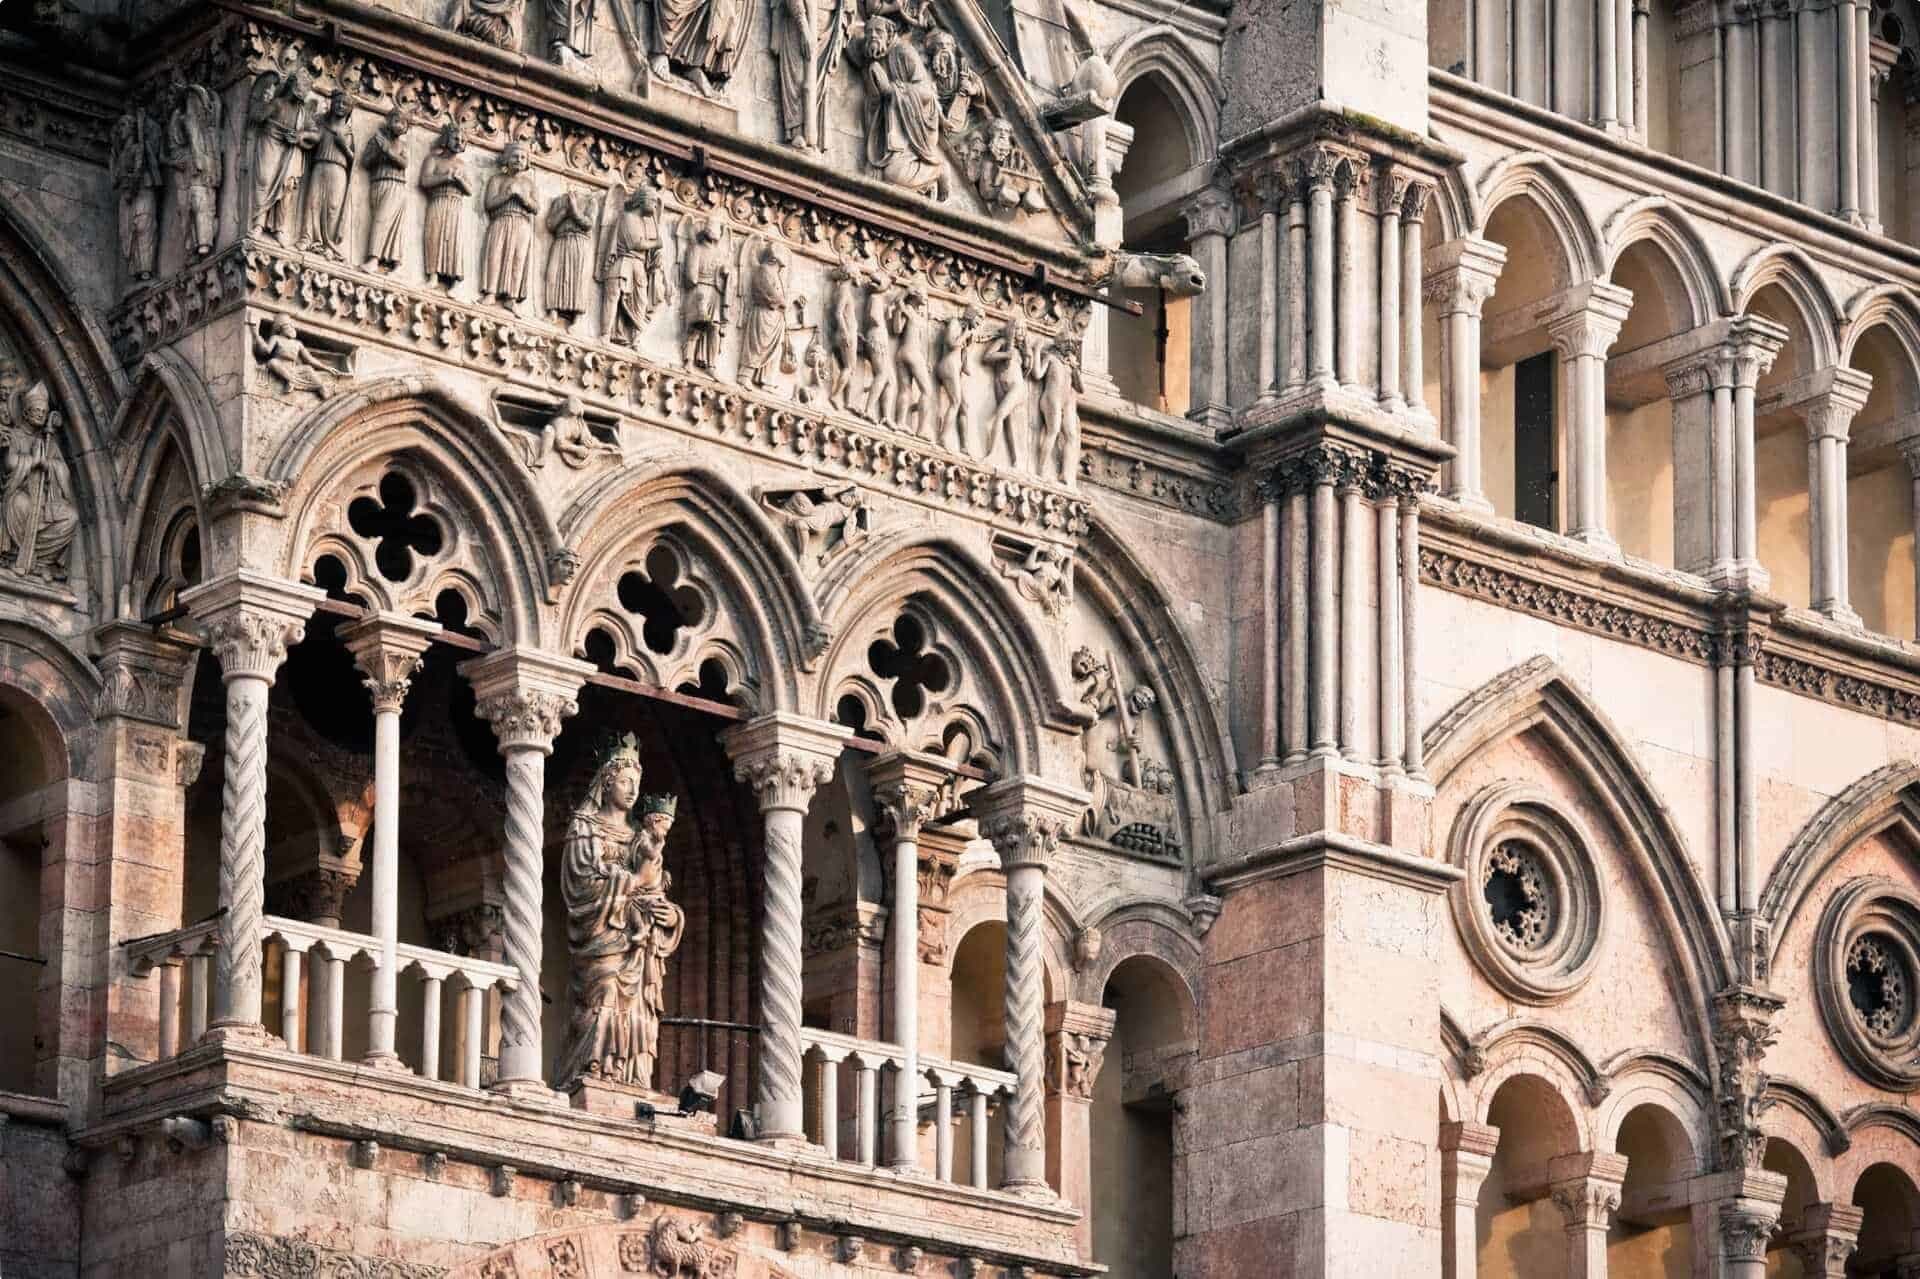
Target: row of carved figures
x=920 y=94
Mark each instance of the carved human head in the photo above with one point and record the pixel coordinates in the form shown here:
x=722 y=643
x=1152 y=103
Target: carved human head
x=340 y=105
x=943 y=59
x=453 y=139
x=514 y=158
x=571 y=406
x=400 y=120
x=709 y=228
x=1000 y=140
x=879 y=37
x=616 y=783
x=284 y=328
x=657 y=813
x=1084 y=662
x=972 y=316
x=298 y=85
x=33 y=406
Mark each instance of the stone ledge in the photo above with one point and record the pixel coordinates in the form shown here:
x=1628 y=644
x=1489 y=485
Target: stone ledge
x=669 y=1165
x=1319 y=849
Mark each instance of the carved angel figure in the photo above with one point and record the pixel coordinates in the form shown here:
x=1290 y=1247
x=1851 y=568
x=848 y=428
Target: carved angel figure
x=444 y=178
x=280 y=117
x=820 y=526
x=959 y=335
x=621 y=929
x=706 y=268
x=808 y=36
x=569 y=277
x=632 y=267
x=37 y=512
x=332 y=177
x=703 y=36
x=193 y=156
x=497 y=22
x=508 y=249
x=1057 y=369
x=386 y=161
x=281 y=352
x=901 y=112
x=913 y=332
x=135 y=160
x=763 y=343
x=1008 y=356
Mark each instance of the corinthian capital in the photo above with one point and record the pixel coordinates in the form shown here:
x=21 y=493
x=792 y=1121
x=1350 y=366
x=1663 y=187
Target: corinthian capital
x=784 y=758
x=250 y=620
x=388 y=649
x=907 y=791
x=525 y=694
x=1745 y=1229
x=1025 y=818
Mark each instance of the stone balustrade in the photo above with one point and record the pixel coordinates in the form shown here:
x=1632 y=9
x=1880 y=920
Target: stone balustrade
x=981 y=1086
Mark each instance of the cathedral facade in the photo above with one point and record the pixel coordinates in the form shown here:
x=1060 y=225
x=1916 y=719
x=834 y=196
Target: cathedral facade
x=974 y=638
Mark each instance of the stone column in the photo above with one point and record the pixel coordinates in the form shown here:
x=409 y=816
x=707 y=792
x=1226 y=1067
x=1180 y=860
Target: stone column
x=1700 y=508
x=1847 y=99
x=1296 y=374
x=1316 y=176
x=906 y=791
x=1459 y=281
x=1210 y=221
x=1077 y=1036
x=250 y=621
x=1828 y=418
x=1827 y=1237
x=1606 y=69
x=1581 y=337
x=1104 y=143
x=1351 y=178
x=1387 y=377
x=783 y=759
x=1745 y=1227
x=1868 y=114
x=1413 y=367
x=525 y=695
x=1740 y=97
x=1025 y=818
x=1466 y=1156
x=1270 y=194
x=1586 y=1190
x=1751 y=351
x=388 y=649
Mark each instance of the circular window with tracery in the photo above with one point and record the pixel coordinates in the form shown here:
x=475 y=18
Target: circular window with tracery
x=1866 y=960
x=1529 y=906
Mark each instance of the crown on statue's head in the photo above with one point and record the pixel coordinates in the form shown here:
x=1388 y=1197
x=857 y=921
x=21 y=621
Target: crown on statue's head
x=624 y=749
x=668 y=804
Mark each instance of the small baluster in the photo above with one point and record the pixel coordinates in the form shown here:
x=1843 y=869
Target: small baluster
x=942 y=1126
x=199 y=984
x=869 y=1068
x=978 y=1135
x=335 y=1013
x=430 y=1027
x=290 y=997
x=473 y=1005
x=169 y=1008
x=830 y=1106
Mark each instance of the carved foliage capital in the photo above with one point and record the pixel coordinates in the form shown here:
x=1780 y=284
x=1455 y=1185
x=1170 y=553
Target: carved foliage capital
x=783 y=778
x=1587 y=1203
x=1744 y=1232
x=252 y=644
x=389 y=652
x=1208 y=211
x=526 y=719
x=1023 y=838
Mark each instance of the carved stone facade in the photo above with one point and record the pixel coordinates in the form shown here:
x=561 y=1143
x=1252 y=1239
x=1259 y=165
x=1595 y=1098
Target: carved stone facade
x=1185 y=582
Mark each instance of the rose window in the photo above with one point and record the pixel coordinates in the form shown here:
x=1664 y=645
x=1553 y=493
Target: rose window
x=1878 y=986
x=1519 y=895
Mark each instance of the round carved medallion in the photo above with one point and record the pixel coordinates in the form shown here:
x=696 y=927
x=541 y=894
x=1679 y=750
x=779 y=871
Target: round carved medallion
x=1529 y=908
x=1865 y=962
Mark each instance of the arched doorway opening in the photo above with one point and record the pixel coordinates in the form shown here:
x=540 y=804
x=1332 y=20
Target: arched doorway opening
x=32 y=805
x=1131 y=1150
x=1652 y=1233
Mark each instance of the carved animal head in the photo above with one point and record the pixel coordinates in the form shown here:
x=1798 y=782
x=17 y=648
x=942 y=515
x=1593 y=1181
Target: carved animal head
x=1176 y=273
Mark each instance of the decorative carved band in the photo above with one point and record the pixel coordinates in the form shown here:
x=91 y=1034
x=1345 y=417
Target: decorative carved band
x=256 y=1256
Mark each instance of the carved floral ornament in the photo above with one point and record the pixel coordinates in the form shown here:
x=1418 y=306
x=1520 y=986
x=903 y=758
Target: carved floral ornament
x=1530 y=908
x=1866 y=962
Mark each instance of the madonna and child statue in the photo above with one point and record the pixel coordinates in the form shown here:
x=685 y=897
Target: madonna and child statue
x=621 y=929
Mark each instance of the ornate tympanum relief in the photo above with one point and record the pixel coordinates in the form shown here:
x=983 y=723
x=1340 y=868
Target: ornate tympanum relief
x=1134 y=807
x=1530 y=908
x=1866 y=960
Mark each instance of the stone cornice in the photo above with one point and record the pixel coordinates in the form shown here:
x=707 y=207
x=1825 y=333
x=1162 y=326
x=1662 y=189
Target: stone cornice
x=1317 y=850
x=1791 y=650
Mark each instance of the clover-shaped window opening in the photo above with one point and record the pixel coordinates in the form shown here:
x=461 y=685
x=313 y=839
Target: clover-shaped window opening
x=1879 y=987
x=1519 y=896
x=713 y=683
x=665 y=603
x=914 y=671
x=851 y=713
x=396 y=528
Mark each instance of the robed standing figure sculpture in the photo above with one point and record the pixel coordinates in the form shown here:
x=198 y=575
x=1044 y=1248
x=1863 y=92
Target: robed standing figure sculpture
x=621 y=929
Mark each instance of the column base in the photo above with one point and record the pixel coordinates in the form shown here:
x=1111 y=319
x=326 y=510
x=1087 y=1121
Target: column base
x=1212 y=415
x=1598 y=539
x=246 y=1033
x=1840 y=614
x=530 y=1091
x=1469 y=500
x=1739 y=575
x=795 y=1143
x=385 y=1061
x=1028 y=1188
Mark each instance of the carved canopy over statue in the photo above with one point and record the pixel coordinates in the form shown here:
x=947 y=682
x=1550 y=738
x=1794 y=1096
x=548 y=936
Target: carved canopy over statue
x=621 y=929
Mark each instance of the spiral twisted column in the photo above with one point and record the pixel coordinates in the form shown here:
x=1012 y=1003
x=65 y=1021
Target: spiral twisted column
x=524 y=695
x=783 y=759
x=249 y=622
x=906 y=795
x=388 y=649
x=1025 y=818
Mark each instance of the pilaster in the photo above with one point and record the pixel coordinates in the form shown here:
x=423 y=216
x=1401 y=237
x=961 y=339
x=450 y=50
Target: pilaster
x=1077 y=1038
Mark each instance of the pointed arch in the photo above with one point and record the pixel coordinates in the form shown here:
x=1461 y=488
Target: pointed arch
x=1538 y=695
x=64 y=344
x=1887 y=799
x=171 y=450
x=999 y=646
x=1537 y=177
x=1163 y=51
x=1658 y=219
x=1884 y=304
x=420 y=417
x=1793 y=271
x=781 y=630
x=1117 y=584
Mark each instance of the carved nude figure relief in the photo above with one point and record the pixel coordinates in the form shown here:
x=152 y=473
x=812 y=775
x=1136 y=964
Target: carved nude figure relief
x=37 y=511
x=821 y=521
x=882 y=395
x=914 y=334
x=844 y=333
x=281 y=352
x=1008 y=356
x=1057 y=369
x=706 y=267
x=959 y=335
x=621 y=928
